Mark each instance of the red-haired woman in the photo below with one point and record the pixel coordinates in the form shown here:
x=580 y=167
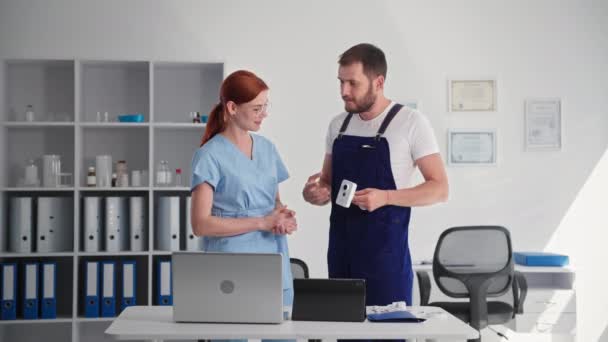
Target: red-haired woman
x=235 y=177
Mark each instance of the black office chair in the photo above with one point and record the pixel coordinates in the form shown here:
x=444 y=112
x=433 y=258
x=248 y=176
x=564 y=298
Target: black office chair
x=299 y=269
x=475 y=263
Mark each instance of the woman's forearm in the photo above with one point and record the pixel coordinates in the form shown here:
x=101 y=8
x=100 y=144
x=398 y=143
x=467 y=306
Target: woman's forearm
x=225 y=226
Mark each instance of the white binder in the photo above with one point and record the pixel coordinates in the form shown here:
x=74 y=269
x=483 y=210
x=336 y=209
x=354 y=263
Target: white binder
x=20 y=225
x=92 y=224
x=193 y=242
x=116 y=224
x=137 y=224
x=54 y=224
x=168 y=223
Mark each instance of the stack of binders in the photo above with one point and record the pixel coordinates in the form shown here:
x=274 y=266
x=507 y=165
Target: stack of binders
x=38 y=294
x=52 y=231
x=115 y=224
x=100 y=295
x=169 y=227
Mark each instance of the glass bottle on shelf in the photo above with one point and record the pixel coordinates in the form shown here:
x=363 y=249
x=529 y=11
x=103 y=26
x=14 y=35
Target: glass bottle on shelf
x=114 y=177
x=178 y=177
x=31 y=174
x=91 y=177
x=162 y=173
x=29 y=113
x=122 y=174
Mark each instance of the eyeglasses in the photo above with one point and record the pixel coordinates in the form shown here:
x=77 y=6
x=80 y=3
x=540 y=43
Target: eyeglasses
x=260 y=109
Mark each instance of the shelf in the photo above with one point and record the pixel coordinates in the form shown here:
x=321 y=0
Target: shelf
x=36 y=255
x=95 y=319
x=47 y=85
x=66 y=96
x=170 y=125
x=114 y=87
x=163 y=252
x=114 y=189
x=129 y=143
x=125 y=253
x=182 y=88
x=24 y=124
x=171 y=188
x=37 y=189
x=113 y=124
x=38 y=321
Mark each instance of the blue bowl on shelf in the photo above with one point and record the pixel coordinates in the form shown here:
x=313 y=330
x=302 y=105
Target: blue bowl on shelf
x=131 y=118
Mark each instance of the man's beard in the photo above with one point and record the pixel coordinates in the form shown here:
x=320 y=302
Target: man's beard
x=364 y=105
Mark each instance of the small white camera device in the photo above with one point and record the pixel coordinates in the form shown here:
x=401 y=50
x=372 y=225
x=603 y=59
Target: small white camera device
x=346 y=193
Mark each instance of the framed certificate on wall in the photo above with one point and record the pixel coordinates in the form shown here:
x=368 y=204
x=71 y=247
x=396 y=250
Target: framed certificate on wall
x=472 y=95
x=472 y=147
x=413 y=104
x=543 y=124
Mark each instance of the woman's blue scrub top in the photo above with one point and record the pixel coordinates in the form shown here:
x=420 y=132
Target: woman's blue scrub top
x=243 y=187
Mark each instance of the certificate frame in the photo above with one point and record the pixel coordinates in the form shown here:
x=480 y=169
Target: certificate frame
x=485 y=154
x=543 y=128
x=410 y=103
x=462 y=100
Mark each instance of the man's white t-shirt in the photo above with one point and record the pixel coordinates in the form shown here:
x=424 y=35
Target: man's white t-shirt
x=409 y=135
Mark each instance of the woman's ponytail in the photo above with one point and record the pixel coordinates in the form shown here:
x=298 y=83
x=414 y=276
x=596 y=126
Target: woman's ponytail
x=215 y=124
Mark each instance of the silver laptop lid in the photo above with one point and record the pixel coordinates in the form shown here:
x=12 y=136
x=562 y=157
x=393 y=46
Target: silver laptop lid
x=227 y=287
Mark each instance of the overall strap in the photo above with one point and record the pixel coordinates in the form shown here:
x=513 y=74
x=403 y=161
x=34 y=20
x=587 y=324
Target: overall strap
x=345 y=125
x=387 y=120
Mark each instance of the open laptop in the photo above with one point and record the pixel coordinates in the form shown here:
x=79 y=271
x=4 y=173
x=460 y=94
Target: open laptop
x=227 y=287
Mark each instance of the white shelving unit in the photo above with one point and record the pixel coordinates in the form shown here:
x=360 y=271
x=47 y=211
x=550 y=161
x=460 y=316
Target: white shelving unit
x=66 y=96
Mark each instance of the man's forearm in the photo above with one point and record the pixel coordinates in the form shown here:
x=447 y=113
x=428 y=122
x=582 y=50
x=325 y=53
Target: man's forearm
x=427 y=193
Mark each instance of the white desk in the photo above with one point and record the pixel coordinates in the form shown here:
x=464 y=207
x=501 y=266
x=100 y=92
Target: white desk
x=156 y=323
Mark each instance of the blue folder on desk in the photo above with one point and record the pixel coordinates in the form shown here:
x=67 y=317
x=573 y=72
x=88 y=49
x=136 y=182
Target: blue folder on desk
x=394 y=316
x=540 y=259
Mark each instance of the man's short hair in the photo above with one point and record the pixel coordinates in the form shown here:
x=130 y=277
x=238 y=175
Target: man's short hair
x=371 y=57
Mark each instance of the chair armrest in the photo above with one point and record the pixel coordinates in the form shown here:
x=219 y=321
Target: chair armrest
x=520 y=290
x=424 y=284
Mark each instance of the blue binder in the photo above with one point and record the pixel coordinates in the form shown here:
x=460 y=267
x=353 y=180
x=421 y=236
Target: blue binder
x=128 y=284
x=540 y=259
x=164 y=283
x=49 y=284
x=30 y=293
x=91 y=295
x=108 y=291
x=9 y=292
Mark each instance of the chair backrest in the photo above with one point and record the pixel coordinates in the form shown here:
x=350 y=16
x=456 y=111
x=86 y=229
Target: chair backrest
x=464 y=254
x=299 y=270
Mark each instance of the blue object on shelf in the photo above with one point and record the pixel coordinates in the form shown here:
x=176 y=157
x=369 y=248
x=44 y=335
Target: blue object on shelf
x=131 y=118
x=540 y=259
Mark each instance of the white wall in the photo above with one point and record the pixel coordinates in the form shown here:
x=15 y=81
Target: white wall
x=535 y=49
